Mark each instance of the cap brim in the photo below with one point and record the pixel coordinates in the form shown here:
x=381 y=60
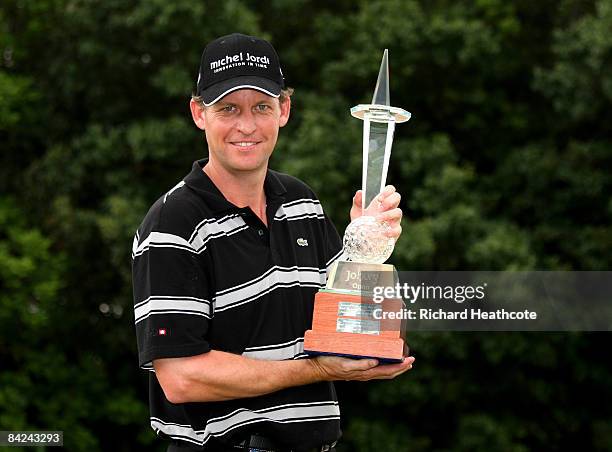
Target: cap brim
x=217 y=91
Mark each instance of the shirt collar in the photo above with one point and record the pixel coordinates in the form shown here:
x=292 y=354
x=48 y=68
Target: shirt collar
x=199 y=181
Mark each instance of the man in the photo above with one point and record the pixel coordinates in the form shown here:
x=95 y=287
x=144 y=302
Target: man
x=226 y=265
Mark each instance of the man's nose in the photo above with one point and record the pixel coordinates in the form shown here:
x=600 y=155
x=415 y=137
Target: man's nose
x=246 y=123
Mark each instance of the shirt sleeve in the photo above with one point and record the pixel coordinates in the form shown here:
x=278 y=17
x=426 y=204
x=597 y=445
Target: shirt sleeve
x=172 y=305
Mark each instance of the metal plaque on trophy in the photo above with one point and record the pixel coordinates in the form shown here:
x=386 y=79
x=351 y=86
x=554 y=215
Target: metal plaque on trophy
x=348 y=320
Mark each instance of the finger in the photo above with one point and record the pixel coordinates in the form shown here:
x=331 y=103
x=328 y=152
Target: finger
x=391 y=201
x=377 y=202
x=388 y=190
x=358 y=198
x=403 y=370
x=375 y=374
x=385 y=371
x=359 y=365
x=390 y=371
x=408 y=360
x=390 y=216
x=394 y=232
x=407 y=365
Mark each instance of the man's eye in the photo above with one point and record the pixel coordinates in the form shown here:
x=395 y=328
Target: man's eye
x=228 y=109
x=263 y=107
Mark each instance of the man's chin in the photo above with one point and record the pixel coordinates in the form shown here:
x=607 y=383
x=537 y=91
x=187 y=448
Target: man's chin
x=249 y=166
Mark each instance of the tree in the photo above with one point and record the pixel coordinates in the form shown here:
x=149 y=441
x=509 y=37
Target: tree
x=504 y=166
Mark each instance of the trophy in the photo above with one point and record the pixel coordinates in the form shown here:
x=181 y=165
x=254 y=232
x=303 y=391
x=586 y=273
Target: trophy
x=347 y=320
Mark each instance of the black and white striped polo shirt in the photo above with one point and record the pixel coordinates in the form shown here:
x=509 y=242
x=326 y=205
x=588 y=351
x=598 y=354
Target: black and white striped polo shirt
x=209 y=275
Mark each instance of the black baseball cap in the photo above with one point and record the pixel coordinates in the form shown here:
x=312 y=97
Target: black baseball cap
x=235 y=62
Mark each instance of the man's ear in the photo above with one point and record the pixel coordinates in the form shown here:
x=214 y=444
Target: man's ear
x=197 y=114
x=285 y=110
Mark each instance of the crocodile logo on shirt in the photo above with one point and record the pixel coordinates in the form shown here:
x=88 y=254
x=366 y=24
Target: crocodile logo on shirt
x=302 y=242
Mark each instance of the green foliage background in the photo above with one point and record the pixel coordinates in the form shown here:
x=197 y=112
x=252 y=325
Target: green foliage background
x=506 y=165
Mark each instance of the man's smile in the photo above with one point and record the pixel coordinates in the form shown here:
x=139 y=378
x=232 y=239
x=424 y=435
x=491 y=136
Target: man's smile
x=245 y=145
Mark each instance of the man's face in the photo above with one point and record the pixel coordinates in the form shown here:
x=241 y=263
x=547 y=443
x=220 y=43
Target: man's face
x=242 y=129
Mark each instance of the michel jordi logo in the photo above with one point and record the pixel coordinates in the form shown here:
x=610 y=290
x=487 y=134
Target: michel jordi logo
x=239 y=59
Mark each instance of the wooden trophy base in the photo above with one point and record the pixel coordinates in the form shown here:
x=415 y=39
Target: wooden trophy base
x=351 y=325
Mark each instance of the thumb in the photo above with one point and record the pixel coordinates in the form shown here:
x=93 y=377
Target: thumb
x=358 y=198
x=363 y=364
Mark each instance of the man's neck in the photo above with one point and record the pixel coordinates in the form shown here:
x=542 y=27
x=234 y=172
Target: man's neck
x=243 y=189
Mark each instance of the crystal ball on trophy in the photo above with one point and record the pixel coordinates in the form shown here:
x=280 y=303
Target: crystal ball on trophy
x=365 y=240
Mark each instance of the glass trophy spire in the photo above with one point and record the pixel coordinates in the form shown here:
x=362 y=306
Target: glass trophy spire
x=379 y=120
x=381 y=92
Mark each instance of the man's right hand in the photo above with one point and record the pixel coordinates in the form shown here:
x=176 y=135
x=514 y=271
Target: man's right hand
x=331 y=368
x=216 y=375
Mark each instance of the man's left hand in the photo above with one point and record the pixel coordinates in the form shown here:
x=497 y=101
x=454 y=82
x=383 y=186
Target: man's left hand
x=384 y=207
